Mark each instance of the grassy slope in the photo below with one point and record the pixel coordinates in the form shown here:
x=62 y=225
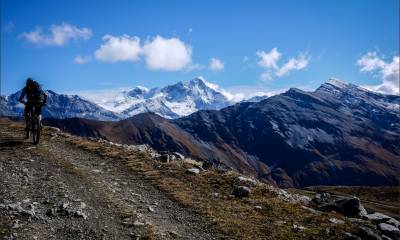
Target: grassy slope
x=238 y=218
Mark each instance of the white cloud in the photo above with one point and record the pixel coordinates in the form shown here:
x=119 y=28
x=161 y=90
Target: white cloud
x=59 y=35
x=123 y=48
x=269 y=62
x=269 y=59
x=293 y=64
x=169 y=54
x=216 y=65
x=81 y=59
x=245 y=59
x=388 y=72
x=265 y=76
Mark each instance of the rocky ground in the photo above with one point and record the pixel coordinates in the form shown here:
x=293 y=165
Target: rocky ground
x=69 y=187
x=55 y=190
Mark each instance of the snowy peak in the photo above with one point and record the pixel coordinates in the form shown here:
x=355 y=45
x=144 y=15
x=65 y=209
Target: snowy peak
x=338 y=83
x=137 y=92
x=172 y=101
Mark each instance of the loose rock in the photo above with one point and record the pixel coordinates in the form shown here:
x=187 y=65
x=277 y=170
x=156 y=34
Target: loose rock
x=241 y=191
x=193 y=171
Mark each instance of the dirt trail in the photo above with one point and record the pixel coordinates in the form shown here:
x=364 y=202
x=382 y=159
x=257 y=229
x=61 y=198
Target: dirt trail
x=57 y=191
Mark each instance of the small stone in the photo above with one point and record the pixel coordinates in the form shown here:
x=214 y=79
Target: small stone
x=297 y=228
x=138 y=224
x=258 y=207
x=215 y=195
x=247 y=180
x=64 y=206
x=336 y=221
x=350 y=236
x=151 y=209
x=80 y=214
x=16 y=224
x=173 y=234
x=25 y=170
x=193 y=171
x=280 y=223
x=51 y=212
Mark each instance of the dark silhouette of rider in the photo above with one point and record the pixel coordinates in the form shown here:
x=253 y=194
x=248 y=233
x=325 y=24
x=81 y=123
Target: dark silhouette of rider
x=35 y=97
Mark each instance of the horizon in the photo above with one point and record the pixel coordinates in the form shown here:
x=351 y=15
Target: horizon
x=242 y=48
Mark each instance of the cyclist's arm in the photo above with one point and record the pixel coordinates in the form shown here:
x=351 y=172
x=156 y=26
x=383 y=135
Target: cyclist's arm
x=23 y=94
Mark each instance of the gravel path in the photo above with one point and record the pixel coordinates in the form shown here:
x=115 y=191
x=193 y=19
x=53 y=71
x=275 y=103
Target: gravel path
x=57 y=191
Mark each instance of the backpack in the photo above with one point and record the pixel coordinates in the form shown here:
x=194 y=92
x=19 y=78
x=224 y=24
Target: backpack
x=35 y=92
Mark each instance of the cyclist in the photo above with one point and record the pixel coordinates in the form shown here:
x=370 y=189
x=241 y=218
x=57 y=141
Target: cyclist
x=34 y=97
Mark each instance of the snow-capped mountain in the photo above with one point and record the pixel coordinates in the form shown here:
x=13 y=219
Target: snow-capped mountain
x=60 y=106
x=173 y=101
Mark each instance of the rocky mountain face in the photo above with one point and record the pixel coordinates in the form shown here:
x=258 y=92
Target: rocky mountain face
x=59 y=106
x=339 y=134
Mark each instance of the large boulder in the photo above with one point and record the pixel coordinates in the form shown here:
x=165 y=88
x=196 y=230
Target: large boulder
x=367 y=233
x=348 y=206
x=377 y=217
x=389 y=230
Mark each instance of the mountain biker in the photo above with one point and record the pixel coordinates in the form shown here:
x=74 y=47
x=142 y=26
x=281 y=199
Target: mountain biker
x=34 y=97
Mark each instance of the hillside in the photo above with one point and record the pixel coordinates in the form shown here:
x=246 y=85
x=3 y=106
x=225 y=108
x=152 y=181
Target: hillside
x=339 y=134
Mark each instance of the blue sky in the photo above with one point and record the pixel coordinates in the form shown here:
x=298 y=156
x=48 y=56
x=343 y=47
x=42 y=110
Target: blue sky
x=255 y=45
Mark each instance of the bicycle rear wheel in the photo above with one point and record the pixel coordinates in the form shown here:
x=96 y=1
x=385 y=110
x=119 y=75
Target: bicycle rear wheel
x=36 y=130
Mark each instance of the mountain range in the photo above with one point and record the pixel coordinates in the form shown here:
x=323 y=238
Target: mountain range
x=172 y=101
x=339 y=134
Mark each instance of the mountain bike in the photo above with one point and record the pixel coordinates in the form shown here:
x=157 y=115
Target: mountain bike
x=34 y=123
